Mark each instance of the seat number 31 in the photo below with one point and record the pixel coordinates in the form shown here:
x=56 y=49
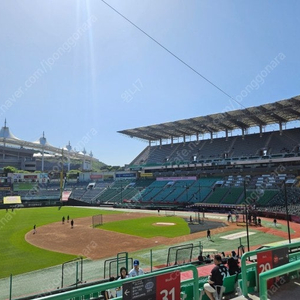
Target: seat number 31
x=166 y=294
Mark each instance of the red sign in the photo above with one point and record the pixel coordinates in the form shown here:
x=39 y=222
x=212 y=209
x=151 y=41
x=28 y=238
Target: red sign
x=30 y=176
x=265 y=263
x=270 y=259
x=168 y=286
x=96 y=176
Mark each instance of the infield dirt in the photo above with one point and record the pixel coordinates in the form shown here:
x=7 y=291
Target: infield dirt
x=98 y=243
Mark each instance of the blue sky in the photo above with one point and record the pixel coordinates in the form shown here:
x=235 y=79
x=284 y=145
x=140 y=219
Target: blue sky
x=80 y=72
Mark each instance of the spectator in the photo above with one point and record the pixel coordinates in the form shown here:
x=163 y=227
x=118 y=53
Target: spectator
x=123 y=275
x=218 y=273
x=233 y=264
x=136 y=271
x=224 y=258
x=275 y=223
x=111 y=293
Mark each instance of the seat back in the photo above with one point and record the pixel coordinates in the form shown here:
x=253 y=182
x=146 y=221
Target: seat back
x=230 y=284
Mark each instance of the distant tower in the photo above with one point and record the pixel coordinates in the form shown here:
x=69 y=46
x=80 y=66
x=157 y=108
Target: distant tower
x=69 y=148
x=91 y=155
x=43 y=142
x=5 y=134
x=84 y=153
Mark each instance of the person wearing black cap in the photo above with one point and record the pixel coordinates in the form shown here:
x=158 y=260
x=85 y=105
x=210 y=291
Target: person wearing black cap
x=136 y=271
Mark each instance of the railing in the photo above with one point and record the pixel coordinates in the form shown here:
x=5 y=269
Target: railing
x=247 y=255
x=87 y=291
x=263 y=277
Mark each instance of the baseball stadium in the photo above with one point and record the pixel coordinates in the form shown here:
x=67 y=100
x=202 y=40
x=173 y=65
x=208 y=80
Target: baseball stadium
x=225 y=183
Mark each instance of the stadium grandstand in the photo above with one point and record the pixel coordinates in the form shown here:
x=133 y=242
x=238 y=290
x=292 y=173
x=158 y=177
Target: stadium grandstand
x=37 y=155
x=222 y=140
x=247 y=149
x=214 y=162
x=248 y=175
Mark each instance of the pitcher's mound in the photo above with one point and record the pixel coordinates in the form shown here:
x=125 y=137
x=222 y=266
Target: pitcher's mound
x=164 y=224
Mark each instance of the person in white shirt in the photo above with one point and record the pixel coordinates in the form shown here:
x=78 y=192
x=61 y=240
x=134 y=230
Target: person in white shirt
x=123 y=275
x=136 y=271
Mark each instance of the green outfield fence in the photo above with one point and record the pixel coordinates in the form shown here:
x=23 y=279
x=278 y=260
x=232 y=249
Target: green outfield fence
x=153 y=263
x=81 y=271
x=93 y=292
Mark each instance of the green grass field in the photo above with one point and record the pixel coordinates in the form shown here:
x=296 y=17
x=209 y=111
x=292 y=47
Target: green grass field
x=259 y=238
x=279 y=226
x=18 y=256
x=145 y=227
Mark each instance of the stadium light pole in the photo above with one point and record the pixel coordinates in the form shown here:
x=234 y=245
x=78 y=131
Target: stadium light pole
x=246 y=212
x=62 y=174
x=121 y=192
x=287 y=212
x=187 y=193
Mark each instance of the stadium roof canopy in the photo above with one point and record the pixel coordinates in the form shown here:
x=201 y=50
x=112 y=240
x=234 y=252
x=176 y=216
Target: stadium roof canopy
x=279 y=112
x=7 y=138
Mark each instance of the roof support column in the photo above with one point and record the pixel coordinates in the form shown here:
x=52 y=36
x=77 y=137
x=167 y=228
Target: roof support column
x=160 y=142
x=197 y=137
x=260 y=130
x=280 y=128
x=149 y=143
x=226 y=132
x=211 y=136
x=172 y=140
x=184 y=138
x=243 y=133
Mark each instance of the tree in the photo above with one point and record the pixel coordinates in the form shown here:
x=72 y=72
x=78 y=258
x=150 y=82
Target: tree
x=10 y=169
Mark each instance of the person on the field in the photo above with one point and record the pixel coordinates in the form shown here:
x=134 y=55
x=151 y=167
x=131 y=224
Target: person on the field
x=259 y=222
x=208 y=235
x=208 y=259
x=200 y=258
